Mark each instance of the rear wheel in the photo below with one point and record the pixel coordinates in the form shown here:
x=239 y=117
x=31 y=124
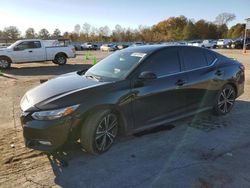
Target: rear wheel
x=5 y=63
x=99 y=131
x=60 y=59
x=225 y=100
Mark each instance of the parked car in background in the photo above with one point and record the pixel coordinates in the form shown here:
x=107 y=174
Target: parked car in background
x=122 y=46
x=108 y=47
x=196 y=43
x=137 y=44
x=129 y=91
x=209 y=43
x=239 y=42
x=34 y=50
x=224 y=43
x=4 y=45
x=88 y=46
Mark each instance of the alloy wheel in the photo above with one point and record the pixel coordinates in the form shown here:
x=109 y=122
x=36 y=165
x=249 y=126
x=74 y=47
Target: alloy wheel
x=61 y=60
x=106 y=132
x=226 y=100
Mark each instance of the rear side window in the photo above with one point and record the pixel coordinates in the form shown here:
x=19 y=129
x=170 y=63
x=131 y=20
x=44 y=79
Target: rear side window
x=193 y=58
x=210 y=58
x=163 y=63
x=36 y=44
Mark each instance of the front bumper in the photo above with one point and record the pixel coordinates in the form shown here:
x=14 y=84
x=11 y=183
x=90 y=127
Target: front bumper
x=45 y=135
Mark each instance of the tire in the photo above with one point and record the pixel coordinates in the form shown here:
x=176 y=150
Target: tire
x=225 y=100
x=99 y=131
x=60 y=59
x=5 y=63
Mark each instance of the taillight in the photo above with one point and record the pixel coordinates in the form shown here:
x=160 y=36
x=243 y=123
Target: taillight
x=73 y=50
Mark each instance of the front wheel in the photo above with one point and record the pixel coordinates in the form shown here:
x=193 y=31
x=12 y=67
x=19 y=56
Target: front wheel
x=225 y=100
x=60 y=59
x=99 y=131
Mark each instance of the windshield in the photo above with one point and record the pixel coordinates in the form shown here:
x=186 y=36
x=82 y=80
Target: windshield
x=116 y=66
x=13 y=45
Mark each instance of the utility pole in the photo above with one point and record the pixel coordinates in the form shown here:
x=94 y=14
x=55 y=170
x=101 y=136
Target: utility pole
x=245 y=35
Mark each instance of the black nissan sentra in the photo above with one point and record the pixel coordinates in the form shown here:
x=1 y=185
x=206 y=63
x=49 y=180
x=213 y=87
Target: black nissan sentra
x=131 y=90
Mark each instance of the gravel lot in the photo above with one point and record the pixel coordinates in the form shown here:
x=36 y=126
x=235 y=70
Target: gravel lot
x=201 y=151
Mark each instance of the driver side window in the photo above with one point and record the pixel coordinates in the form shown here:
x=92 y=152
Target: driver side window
x=22 y=46
x=163 y=63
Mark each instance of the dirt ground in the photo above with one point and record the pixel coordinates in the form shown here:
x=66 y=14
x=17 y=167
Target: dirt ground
x=201 y=151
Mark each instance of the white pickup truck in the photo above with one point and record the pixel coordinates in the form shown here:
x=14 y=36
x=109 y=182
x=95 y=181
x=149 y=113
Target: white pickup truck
x=34 y=50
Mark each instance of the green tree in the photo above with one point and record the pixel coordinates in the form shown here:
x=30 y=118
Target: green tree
x=236 y=31
x=11 y=32
x=44 y=34
x=189 y=31
x=222 y=31
x=56 y=33
x=172 y=28
x=30 y=33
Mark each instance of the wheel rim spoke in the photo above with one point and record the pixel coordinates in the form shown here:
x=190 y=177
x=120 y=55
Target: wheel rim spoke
x=230 y=92
x=225 y=107
x=224 y=94
x=112 y=125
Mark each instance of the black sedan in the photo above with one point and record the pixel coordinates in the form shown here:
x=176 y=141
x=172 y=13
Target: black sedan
x=129 y=91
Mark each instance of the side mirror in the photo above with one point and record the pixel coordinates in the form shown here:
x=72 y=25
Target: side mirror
x=147 y=75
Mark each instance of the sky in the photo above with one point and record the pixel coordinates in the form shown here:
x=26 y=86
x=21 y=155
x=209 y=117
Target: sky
x=65 y=14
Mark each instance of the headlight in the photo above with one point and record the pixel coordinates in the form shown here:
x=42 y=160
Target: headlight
x=54 y=114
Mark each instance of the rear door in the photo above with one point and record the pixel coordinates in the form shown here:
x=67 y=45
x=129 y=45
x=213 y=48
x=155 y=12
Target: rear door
x=164 y=97
x=37 y=53
x=202 y=77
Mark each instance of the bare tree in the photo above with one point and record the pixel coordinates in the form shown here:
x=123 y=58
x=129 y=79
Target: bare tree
x=86 y=29
x=77 y=29
x=224 y=18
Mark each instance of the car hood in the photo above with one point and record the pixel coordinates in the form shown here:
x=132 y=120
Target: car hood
x=57 y=88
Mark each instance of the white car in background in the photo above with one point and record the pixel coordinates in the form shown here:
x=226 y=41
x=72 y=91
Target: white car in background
x=224 y=43
x=35 y=50
x=209 y=43
x=197 y=43
x=108 y=47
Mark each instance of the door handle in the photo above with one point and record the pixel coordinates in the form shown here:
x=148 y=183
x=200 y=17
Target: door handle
x=30 y=51
x=218 y=73
x=180 y=82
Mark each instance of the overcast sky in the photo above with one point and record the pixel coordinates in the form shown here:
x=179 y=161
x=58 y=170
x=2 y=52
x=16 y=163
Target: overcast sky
x=65 y=14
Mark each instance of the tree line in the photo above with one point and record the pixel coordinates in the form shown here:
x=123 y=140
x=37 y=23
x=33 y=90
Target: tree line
x=172 y=29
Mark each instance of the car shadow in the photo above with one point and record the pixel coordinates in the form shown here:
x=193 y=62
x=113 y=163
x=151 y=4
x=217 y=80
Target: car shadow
x=46 y=70
x=129 y=160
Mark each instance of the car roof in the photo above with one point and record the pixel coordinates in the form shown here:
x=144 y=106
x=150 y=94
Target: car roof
x=148 y=49
x=145 y=48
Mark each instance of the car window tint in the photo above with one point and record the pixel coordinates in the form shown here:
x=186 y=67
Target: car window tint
x=36 y=44
x=23 y=46
x=210 y=58
x=193 y=58
x=163 y=63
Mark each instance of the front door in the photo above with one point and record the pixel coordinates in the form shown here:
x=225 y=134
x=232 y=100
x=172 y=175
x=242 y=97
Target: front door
x=162 y=98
